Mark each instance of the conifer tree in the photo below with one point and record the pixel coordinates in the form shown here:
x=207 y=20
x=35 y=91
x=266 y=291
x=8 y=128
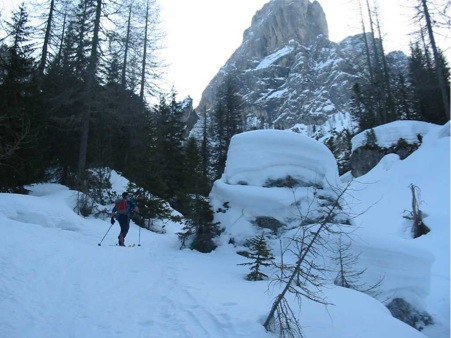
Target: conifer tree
x=47 y=37
x=374 y=97
x=168 y=146
x=260 y=255
x=90 y=78
x=424 y=14
x=194 y=181
x=20 y=103
x=227 y=121
x=426 y=88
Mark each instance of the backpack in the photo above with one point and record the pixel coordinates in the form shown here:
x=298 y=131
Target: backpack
x=121 y=206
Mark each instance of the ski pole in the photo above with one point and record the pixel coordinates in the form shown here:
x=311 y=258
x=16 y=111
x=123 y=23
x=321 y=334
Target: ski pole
x=105 y=235
x=139 y=236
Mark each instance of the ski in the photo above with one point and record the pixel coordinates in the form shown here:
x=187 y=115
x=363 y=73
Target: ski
x=125 y=246
x=128 y=245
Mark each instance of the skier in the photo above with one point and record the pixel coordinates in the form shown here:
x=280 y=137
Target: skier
x=122 y=211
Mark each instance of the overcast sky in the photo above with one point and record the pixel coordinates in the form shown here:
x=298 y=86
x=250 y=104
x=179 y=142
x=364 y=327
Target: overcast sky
x=202 y=34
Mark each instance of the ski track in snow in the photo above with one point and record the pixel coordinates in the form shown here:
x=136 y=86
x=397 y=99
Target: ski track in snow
x=133 y=293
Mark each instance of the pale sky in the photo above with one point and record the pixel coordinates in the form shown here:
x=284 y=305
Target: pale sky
x=202 y=34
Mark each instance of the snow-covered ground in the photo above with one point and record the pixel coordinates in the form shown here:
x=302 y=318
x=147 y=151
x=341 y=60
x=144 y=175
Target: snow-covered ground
x=55 y=281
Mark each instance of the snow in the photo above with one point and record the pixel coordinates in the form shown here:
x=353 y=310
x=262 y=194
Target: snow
x=388 y=134
x=55 y=280
x=257 y=156
x=277 y=94
x=386 y=190
x=270 y=59
x=335 y=123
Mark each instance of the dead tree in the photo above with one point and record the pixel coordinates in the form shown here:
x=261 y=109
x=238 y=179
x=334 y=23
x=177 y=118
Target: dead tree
x=416 y=216
x=305 y=274
x=348 y=276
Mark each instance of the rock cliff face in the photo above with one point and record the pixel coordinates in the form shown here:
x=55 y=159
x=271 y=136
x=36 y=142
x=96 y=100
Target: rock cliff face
x=280 y=21
x=268 y=62
x=289 y=72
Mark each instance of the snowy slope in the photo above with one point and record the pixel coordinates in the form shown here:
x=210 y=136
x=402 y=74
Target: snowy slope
x=383 y=234
x=55 y=281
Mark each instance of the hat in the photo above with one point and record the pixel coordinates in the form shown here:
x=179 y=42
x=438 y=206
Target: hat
x=124 y=194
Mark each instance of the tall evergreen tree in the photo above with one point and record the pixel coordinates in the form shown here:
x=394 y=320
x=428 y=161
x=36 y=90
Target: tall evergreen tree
x=374 y=94
x=90 y=84
x=46 y=43
x=424 y=14
x=227 y=121
x=20 y=103
x=194 y=179
x=425 y=85
x=168 y=147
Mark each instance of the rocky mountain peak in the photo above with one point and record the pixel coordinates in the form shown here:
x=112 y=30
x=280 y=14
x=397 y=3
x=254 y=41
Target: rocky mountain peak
x=281 y=25
x=280 y=21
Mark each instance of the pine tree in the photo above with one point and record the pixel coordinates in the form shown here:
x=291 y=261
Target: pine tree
x=227 y=121
x=21 y=123
x=424 y=13
x=90 y=78
x=362 y=107
x=426 y=88
x=260 y=255
x=167 y=150
x=194 y=179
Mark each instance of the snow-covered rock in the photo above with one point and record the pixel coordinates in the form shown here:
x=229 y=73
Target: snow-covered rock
x=399 y=137
x=259 y=157
x=271 y=174
x=388 y=134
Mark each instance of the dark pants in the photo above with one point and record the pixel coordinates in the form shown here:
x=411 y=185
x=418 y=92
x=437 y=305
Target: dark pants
x=124 y=222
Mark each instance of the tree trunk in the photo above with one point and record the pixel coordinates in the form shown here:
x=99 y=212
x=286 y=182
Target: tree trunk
x=127 y=43
x=438 y=64
x=388 y=91
x=380 y=111
x=143 y=70
x=48 y=30
x=367 y=48
x=63 y=32
x=302 y=257
x=90 y=81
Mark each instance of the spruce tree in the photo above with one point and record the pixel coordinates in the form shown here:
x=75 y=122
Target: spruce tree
x=21 y=122
x=425 y=14
x=425 y=85
x=227 y=121
x=167 y=152
x=260 y=255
